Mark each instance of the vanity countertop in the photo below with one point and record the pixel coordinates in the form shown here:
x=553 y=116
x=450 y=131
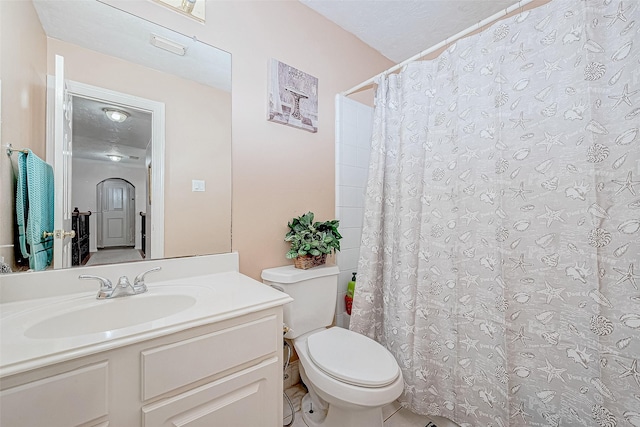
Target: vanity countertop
x=207 y=299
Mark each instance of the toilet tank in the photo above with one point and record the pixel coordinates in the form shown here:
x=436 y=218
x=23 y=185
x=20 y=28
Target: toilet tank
x=314 y=293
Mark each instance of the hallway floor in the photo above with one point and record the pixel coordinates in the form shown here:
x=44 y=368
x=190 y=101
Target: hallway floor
x=394 y=415
x=112 y=256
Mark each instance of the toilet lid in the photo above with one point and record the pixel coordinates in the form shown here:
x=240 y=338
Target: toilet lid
x=352 y=358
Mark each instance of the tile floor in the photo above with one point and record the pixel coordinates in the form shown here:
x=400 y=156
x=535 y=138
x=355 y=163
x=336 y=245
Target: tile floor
x=394 y=415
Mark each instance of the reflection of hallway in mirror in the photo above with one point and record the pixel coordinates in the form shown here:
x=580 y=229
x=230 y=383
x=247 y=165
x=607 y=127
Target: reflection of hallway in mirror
x=110 y=170
x=114 y=255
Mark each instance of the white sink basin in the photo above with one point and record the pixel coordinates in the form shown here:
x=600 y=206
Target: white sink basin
x=40 y=331
x=108 y=315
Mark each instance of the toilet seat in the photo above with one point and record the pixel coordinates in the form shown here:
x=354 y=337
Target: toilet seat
x=337 y=391
x=352 y=358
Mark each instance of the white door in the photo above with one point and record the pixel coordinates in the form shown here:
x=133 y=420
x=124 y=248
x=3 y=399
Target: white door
x=62 y=169
x=116 y=205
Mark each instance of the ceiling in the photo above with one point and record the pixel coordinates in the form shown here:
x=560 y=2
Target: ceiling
x=400 y=29
x=102 y=28
x=95 y=136
x=105 y=29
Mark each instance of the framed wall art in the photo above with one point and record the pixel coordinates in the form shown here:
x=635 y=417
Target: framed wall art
x=293 y=97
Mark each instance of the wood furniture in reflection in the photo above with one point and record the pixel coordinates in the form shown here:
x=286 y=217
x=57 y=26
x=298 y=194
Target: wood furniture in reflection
x=143 y=232
x=80 y=243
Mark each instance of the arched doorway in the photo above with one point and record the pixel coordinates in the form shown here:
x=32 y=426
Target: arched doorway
x=115 y=221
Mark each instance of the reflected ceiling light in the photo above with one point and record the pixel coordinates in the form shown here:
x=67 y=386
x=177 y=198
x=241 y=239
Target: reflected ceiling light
x=114 y=157
x=168 y=45
x=115 y=115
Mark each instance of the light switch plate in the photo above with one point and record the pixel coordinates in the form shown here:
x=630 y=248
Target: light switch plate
x=197 y=185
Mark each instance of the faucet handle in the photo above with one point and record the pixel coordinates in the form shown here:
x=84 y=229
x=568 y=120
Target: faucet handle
x=138 y=282
x=105 y=285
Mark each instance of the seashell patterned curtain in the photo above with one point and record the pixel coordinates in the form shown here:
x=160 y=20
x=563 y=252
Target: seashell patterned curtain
x=500 y=256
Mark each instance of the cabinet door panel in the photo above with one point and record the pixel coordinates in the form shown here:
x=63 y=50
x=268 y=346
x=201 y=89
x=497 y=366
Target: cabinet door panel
x=246 y=398
x=69 y=399
x=206 y=355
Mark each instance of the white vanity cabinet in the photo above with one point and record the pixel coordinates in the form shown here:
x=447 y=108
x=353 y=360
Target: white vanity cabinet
x=249 y=393
x=227 y=374
x=70 y=398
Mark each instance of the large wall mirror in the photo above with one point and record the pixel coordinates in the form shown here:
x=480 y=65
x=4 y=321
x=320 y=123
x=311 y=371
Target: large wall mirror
x=135 y=90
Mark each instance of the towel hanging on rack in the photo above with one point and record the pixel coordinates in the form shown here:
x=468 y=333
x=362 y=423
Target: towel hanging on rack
x=34 y=209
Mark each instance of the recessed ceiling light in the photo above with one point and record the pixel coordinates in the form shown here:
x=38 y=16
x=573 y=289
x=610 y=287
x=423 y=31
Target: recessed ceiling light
x=114 y=157
x=168 y=45
x=116 y=115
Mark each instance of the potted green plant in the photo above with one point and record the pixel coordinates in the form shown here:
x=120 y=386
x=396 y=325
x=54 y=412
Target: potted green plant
x=312 y=241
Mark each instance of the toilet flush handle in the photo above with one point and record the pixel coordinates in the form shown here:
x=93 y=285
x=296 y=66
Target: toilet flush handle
x=276 y=287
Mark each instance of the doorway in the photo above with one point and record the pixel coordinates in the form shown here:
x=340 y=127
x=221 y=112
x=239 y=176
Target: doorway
x=117 y=154
x=115 y=219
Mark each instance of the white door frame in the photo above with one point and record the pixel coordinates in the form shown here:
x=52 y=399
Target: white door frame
x=62 y=136
x=157 y=110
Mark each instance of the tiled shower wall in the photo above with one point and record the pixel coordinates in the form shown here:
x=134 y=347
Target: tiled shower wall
x=354 y=123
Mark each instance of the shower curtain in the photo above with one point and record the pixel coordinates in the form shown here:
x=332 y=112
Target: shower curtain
x=500 y=256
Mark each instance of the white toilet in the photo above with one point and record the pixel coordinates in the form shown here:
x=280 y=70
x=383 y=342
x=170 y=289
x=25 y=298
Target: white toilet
x=350 y=377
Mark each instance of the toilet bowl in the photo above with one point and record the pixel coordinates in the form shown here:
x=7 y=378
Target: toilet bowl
x=350 y=377
x=354 y=394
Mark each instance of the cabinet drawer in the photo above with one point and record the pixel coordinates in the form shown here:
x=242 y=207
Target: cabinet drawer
x=169 y=367
x=64 y=400
x=246 y=398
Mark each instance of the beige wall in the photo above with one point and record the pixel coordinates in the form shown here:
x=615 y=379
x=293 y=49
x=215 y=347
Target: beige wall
x=295 y=171
x=282 y=172
x=278 y=172
x=197 y=116
x=23 y=74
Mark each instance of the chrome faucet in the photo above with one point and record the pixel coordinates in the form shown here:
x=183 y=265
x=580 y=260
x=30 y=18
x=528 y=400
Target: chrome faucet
x=106 y=288
x=123 y=288
x=138 y=283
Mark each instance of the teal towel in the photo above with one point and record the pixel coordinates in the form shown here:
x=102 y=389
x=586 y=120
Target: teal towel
x=34 y=209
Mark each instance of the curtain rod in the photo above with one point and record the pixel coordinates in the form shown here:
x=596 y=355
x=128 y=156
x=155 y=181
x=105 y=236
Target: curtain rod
x=445 y=42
